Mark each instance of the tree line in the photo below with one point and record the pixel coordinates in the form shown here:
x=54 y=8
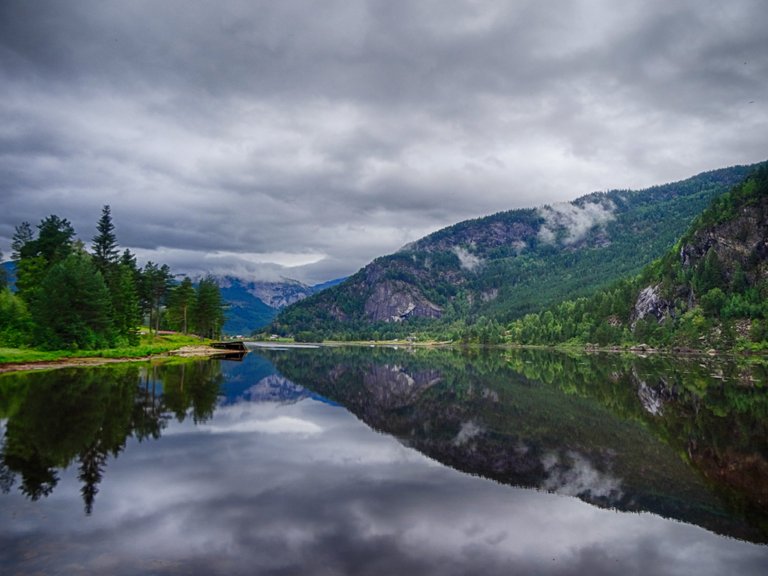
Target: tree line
x=69 y=297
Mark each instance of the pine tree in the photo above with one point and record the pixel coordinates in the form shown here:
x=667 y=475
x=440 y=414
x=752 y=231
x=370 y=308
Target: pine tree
x=74 y=310
x=55 y=240
x=22 y=237
x=105 y=253
x=35 y=256
x=180 y=303
x=209 y=308
x=125 y=303
x=154 y=285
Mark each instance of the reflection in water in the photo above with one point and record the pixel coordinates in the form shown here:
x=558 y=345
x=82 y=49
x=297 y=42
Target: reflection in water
x=633 y=434
x=85 y=416
x=261 y=471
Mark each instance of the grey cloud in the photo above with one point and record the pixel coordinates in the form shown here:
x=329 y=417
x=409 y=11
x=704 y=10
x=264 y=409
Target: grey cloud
x=257 y=127
x=575 y=219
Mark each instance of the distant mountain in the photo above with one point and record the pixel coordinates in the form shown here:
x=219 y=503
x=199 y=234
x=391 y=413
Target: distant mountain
x=9 y=272
x=254 y=304
x=511 y=263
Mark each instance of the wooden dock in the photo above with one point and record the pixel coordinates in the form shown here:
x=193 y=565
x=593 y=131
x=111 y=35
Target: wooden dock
x=234 y=345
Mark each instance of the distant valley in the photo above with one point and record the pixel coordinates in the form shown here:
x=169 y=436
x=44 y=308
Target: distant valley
x=252 y=305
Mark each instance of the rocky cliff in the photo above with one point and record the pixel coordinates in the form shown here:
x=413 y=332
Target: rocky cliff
x=719 y=266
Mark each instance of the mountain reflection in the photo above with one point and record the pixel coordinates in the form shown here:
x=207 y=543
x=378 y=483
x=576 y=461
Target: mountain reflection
x=682 y=439
x=85 y=416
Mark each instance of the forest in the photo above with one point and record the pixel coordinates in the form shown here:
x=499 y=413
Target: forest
x=67 y=297
x=709 y=290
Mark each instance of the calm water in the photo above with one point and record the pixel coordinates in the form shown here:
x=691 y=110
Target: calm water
x=380 y=461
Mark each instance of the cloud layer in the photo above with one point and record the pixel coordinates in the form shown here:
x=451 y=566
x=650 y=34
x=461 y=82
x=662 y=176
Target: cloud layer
x=304 y=139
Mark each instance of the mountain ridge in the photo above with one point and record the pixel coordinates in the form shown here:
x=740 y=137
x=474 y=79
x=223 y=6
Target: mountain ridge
x=507 y=264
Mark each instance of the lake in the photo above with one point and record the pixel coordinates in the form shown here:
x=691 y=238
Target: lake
x=387 y=461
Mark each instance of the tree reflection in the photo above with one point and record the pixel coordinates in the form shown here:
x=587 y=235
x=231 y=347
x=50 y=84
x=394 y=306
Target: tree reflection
x=683 y=439
x=85 y=416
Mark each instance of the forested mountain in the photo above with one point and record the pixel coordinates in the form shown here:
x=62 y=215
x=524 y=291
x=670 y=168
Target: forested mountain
x=710 y=289
x=509 y=264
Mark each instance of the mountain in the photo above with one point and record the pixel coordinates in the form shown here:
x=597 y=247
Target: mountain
x=511 y=263
x=709 y=290
x=254 y=304
x=8 y=273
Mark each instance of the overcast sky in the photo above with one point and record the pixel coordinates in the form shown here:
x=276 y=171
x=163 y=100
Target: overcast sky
x=303 y=139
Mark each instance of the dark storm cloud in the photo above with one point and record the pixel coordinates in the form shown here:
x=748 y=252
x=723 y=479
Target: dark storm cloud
x=330 y=133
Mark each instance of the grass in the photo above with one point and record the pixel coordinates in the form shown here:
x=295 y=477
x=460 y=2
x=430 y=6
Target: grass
x=147 y=346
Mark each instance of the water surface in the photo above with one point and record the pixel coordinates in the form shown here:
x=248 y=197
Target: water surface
x=379 y=461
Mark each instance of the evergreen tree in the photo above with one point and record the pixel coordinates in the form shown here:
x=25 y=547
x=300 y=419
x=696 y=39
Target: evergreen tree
x=105 y=253
x=74 y=310
x=154 y=286
x=22 y=237
x=54 y=241
x=709 y=274
x=209 y=308
x=125 y=303
x=180 y=302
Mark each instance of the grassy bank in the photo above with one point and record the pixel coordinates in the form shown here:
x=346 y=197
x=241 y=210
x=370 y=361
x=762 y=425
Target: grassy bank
x=148 y=346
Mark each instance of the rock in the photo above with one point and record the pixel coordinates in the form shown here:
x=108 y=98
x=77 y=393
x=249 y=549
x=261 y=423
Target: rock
x=394 y=301
x=649 y=302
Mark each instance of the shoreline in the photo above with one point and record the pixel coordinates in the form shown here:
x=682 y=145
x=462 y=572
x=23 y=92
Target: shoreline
x=196 y=351
x=204 y=351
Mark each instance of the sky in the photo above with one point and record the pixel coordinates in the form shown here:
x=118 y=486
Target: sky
x=302 y=139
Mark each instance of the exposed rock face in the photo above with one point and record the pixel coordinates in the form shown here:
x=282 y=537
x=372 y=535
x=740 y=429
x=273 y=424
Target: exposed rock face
x=495 y=232
x=394 y=301
x=279 y=294
x=742 y=239
x=649 y=302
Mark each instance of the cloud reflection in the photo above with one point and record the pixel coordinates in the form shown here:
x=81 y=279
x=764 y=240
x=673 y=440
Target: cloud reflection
x=340 y=500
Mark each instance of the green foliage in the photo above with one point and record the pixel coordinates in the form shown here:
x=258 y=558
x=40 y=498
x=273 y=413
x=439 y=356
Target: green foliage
x=154 y=284
x=518 y=271
x=710 y=274
x=712 y=301
x=208 y=309
x=75 y=309
x=15 y=320
x=54 y=241
x=22 y=236
x=104 y=247
x=125 y=304
x=307 y=336
x=705 y=296
x=68 y=298
x=180 y=303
